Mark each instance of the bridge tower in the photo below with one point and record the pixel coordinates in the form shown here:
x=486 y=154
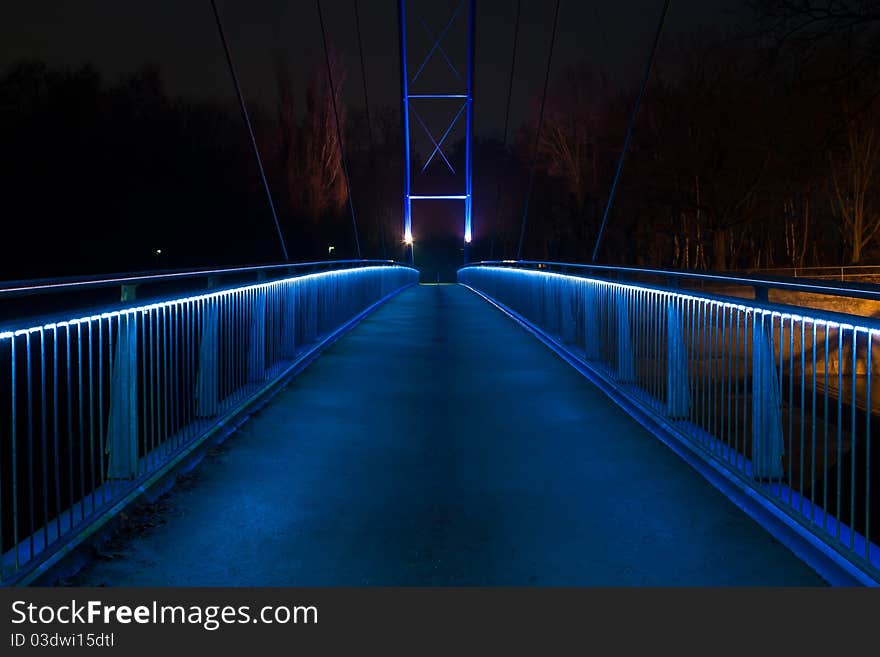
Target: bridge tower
x=437 y=93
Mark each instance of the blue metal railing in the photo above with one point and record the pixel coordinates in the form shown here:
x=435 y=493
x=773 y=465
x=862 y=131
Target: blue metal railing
x=780 y=397
x=96 y=406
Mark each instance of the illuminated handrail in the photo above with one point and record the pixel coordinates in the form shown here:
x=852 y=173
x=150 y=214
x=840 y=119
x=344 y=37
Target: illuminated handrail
x=760 y=284
x=779 y=397
x=77 y=283
x=96 y=407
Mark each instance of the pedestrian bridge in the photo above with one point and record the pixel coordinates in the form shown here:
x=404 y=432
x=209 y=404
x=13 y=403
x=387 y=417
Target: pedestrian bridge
x=340 y=424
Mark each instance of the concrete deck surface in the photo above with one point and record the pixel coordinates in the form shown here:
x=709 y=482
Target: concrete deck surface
x=439 y=443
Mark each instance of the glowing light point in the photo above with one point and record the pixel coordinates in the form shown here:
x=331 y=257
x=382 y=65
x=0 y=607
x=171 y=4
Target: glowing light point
x=407 y=238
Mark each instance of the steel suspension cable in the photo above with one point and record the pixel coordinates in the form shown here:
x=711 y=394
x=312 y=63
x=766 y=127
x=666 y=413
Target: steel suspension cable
x=632 y=125
x=522 y=230
x=247 y=122
x=338 y=128
x=506 y=164
x=357 y=22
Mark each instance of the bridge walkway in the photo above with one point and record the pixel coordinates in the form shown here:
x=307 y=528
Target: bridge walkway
x=438 y=443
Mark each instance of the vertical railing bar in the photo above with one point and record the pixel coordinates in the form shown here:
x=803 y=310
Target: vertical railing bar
x=701 y=355
x=781 y=384
x=227 y=324
x=191 y=346
x=243 y=342
x=813 y=436
x=241 y=345
x=736 y=408
x=653 y=334
x=692 y=303
x=661 y=303
x=82 y=433
x=92 y=428
x=839 y=426
x=720 y=400
x=145 y=392
x=174 y=391
x=238 y=340
x=161 y=433
x=790 y=410
x=235 y=312
x=803 y=412
x=101 y=446
x=706 y=323
x=111 y=484
x=852 y=449
x=146 y=395
x=698 y=363
x=712 y=336
x=154 y=374
x=825 y=439
x=56 y=438
x=656 y=391
x=868 y=376
x=43 y=437
x=717 y=374
x=3 y=511
x=729 y=381
x=166 y=387
x=14 y=446
x=69 y=430
x=30 y=404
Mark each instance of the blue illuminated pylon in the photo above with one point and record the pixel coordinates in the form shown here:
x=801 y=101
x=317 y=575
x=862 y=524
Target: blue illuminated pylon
x=464 y=96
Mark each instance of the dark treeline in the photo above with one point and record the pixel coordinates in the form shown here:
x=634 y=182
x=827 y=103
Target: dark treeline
x=100 y=176
x=758 y=147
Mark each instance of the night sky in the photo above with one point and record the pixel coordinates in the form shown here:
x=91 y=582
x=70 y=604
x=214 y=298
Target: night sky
x=118 y=36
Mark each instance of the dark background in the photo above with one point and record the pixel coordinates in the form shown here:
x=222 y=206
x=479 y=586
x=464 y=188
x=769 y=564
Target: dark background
x=123 y=147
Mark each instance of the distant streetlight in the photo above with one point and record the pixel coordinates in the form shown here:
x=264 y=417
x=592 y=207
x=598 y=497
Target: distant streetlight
x=330 y=249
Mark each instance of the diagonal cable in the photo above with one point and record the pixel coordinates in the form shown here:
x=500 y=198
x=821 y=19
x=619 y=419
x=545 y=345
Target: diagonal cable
x=445 y=135
x=631 y=129
x=504 y=138
x=431 y=137
x=247 y=122
x=437 y=42
x=522 y=230
x=439 y=47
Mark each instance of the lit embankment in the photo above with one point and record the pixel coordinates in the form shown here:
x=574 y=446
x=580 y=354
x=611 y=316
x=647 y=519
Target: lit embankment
x=98 y=406
x=776 y=399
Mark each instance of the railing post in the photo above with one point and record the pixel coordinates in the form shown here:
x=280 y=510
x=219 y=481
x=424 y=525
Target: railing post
x=288 y=321
x=128 y=293
x=208 y=381
x=768 y=446
x=591 y=321
x=256 y=363
x=626 y=367
x=568 y=300
x=310 y=310
x=122 y=425
x=678 y=393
